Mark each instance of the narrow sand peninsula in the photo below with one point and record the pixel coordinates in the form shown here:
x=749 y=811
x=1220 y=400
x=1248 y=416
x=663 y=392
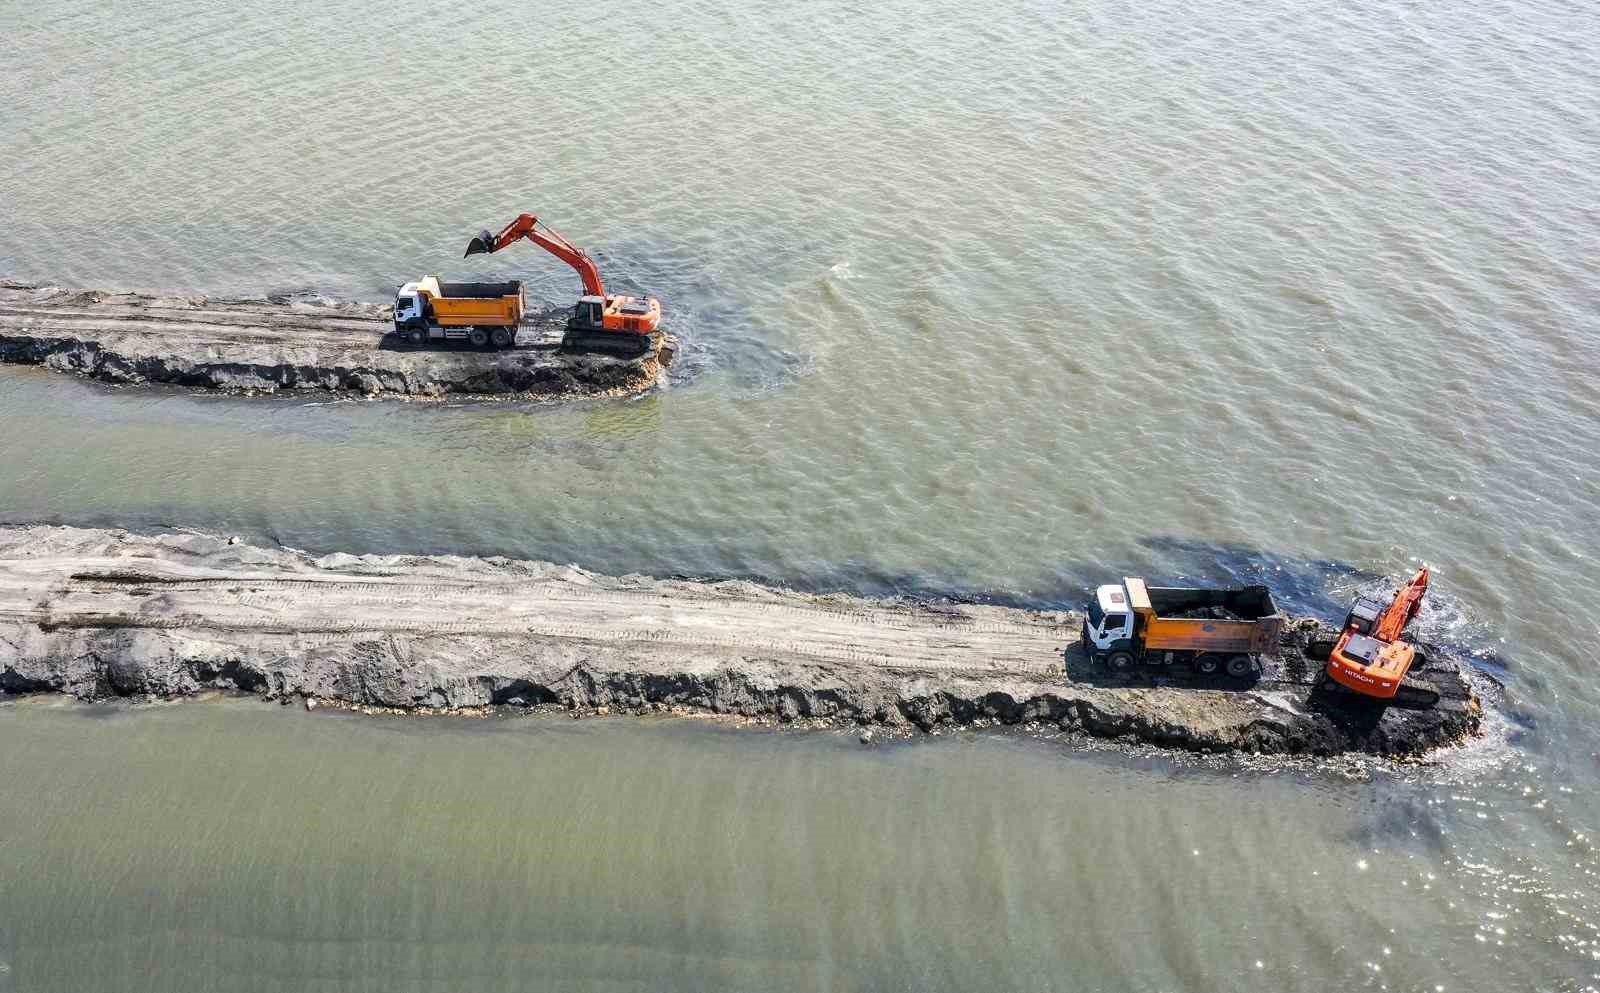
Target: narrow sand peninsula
x=105 y=613
x=278 y=345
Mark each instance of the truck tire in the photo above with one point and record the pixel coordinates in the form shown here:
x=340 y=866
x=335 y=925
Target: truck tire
x=1207 y=664
x=1241 y=667
x=478 y=337
x=1120 y=662
x=501 y=337
x=417 y=336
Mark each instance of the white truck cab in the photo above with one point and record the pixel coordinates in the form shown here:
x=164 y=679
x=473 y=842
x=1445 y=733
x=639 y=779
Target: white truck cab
x=1108 y=619
x=407 y=306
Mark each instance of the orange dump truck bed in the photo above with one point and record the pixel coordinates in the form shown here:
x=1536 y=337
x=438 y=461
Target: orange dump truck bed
x=479 y=304
x=1254 y=627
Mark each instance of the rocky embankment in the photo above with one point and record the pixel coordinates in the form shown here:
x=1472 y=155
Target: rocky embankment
x=104 y=613
x=282 y=344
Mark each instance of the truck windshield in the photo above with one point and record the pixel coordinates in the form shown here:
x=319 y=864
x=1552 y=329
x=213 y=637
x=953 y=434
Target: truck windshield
x=1096 y=615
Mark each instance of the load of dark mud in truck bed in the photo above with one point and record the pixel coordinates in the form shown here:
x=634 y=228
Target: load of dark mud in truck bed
x=1247 y=603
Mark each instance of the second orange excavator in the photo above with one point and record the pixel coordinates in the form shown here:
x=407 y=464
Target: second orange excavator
x=599 y=321
x=1372 y=657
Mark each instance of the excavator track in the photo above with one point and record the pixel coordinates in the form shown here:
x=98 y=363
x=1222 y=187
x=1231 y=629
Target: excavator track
x=1416 y=694
x=1413 y=693
x=624 y=345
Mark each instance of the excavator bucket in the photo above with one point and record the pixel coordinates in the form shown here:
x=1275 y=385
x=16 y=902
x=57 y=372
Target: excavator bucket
x=481 y=245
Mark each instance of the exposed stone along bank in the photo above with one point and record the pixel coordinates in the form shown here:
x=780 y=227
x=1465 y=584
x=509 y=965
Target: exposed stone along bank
x=104 y=613
x=282 y=344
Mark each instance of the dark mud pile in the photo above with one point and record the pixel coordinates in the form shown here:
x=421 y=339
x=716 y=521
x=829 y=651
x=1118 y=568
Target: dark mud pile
x=105 y=613
x=283 y=344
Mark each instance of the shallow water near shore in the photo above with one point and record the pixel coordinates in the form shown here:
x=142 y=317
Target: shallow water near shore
x=233 y=844
x=978 y=299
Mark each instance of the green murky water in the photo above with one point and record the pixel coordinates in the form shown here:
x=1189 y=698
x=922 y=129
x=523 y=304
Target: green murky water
x=988 y=298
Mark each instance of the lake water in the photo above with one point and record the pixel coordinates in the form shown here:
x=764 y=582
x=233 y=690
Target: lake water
x=242 y=846
x=982 y=299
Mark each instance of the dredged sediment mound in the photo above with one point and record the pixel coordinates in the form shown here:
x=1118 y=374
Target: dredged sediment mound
x=282 y=344
x=105 y=613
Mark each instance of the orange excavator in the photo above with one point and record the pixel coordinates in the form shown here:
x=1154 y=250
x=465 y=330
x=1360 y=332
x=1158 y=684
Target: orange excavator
x=600 y=321
x=1372 y=658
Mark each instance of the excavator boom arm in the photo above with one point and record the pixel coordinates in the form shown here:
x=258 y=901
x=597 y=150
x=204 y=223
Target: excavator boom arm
x=528 y=226
x=1407 y=601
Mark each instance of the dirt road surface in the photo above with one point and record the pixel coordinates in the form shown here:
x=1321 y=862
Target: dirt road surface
x=284 y=344
x=103 y=613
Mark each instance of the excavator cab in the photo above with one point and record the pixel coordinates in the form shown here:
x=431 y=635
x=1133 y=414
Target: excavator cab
x=1363 y=614
x=588 y=314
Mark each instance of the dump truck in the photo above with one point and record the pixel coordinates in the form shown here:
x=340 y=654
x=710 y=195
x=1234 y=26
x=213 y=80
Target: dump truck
x=1211 y=630
x=485 y=314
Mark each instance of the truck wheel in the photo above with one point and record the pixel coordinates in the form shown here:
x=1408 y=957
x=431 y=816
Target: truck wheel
x=478 y=337
x=1120 y=662
x=501 y=337
x=1207 y=665
x=417 y=336
x=1240 y=667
